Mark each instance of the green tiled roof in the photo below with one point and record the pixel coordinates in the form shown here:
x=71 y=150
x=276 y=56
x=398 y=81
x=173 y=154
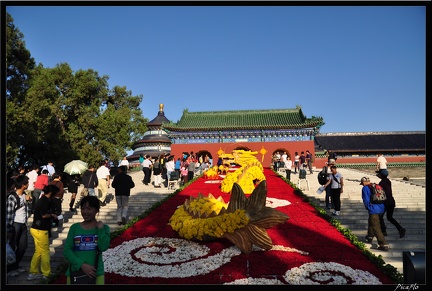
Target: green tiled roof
x=243 y=120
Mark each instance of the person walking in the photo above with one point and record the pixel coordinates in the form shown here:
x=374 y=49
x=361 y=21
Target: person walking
x=125 y=162
x=336 y=183
x=184 y=174
x=32 y=175
x=296 y=162
x=191 y=168
x=276 y=161
x=74 y=182
x=104 y=177
x=157 y=173
x=147 y=165
x=329 y=201
x=170 y=167
x=90 y=180
x=288 y=166
x=177 y=166
x=122 y=184
x=375 y=211
x=41 y=233
x=141 y=160
x=86 y=238
x=57 y=199
x=41 y=181
x=302 y=160
x=16 y=223
x=381 y=164
x=50 y=167
x=390 y=205
x=309 y=161
x=331 y=155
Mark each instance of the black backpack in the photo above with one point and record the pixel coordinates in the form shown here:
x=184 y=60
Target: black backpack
x=322 y=176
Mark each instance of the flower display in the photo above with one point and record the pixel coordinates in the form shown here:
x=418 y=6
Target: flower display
x=211 y=173
x=243 y=221
x=245 y=177
x=250 y=171
x=206 y=218
x=304 y=250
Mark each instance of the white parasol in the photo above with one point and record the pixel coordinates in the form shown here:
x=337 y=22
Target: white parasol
x=75 y=167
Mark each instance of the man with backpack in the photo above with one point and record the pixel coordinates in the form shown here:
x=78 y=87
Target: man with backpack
x=376 y=210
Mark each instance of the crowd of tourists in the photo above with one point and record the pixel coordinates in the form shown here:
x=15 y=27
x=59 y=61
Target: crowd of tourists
x=39 y=191
x=167 y=167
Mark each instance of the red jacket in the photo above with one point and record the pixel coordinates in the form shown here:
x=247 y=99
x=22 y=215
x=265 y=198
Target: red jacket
x=41 y=181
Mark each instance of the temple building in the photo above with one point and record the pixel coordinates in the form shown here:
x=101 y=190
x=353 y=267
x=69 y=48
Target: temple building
x=267 y=130
x=154 y=142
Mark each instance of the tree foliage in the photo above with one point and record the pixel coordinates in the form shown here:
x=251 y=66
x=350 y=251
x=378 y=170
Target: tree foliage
x=64 y=115
x=19 y=65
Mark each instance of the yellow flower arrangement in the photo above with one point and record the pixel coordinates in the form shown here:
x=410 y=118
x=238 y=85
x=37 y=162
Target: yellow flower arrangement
x=191 y=221
x=245 y=177
x=211 y=173
x=243 y=220
x=250 y=171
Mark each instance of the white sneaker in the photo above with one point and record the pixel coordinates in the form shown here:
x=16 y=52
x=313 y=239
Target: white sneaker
x=337 y=213
x=34 y=277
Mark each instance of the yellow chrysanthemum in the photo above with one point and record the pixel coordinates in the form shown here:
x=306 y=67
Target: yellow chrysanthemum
x=201 y=218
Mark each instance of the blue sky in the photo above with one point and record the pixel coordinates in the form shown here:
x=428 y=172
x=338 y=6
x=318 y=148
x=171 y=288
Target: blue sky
x=361 y=68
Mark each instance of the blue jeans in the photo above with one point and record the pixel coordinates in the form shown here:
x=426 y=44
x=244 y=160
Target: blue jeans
x=19 y=243
x=91 y=192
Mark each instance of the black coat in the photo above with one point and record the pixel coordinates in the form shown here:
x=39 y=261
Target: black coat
x=89 y=179
x=122 y=184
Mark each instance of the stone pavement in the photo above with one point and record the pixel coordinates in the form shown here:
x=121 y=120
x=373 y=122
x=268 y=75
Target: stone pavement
x=410 y=212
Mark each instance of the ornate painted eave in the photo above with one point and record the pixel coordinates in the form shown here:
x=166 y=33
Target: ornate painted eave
x=271 y=119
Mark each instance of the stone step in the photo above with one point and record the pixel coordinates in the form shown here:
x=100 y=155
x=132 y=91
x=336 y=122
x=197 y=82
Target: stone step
x=410 y=212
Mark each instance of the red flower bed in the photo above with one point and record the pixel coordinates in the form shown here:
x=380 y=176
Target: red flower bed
x=307 y=249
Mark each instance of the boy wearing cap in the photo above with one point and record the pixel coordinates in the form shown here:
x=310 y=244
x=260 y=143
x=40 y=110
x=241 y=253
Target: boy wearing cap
x=375 y=212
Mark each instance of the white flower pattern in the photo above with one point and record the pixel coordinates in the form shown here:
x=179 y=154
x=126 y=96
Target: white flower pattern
x=178 y=258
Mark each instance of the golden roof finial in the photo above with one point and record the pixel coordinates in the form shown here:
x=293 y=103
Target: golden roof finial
x=161 y=107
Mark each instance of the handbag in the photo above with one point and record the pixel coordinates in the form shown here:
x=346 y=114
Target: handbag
x=84 y=192
x=79 y=277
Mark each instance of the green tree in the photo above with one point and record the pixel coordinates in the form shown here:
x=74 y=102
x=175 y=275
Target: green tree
x=19 y=65
x=75 y=116
x=56 y=113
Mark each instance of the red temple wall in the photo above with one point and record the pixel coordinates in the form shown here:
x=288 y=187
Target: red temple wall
x=270 y=147
x=291 y=147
